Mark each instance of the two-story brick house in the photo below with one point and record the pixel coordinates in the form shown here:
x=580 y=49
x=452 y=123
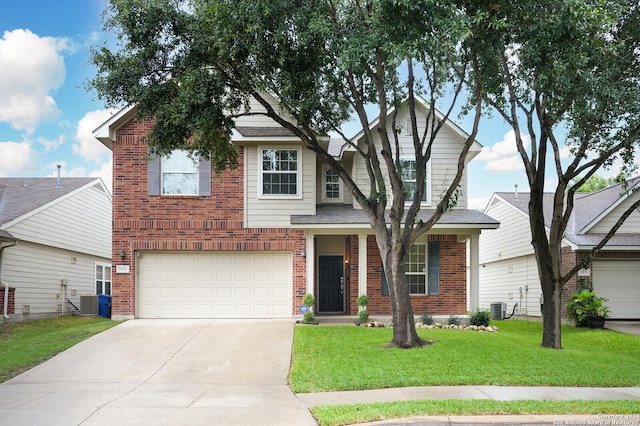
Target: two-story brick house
x=250 y=242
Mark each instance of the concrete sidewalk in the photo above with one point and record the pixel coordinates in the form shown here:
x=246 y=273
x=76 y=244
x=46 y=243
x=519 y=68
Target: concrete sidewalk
x=497 y=393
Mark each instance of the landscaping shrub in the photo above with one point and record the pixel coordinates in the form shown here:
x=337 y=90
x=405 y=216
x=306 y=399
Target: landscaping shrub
x=426 y=319
x=480 y=317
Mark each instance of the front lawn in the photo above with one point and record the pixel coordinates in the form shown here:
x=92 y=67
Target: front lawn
x=25 y=344
x=330 y=358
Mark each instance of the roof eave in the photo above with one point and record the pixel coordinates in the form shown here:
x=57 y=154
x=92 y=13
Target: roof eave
x=106 y=132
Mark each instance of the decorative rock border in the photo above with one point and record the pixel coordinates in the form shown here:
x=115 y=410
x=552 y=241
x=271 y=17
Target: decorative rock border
x=463 y=327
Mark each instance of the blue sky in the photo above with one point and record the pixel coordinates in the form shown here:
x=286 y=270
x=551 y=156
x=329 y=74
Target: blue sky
x=46 y=115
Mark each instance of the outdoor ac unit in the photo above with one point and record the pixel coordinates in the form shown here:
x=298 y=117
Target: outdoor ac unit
x=89 y=305
x=498 y=310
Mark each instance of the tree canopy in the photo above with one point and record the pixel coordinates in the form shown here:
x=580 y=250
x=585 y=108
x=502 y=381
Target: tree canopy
x=195 y=64
x=565 y=73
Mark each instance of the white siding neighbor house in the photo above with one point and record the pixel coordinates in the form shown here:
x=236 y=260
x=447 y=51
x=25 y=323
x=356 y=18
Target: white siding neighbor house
x=508 y=272
x=55 y=245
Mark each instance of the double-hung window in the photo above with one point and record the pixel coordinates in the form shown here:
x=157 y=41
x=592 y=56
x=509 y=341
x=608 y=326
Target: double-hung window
x=409 y=182
x=416 y=269
x=280 y=172
x=422 y=269
x=103 y=278
x=332 y=190
x=179 y=174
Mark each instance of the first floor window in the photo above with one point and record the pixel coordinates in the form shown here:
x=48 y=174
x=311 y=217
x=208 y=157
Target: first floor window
x=416 y=269
x=279 y=171
x=103 y=278
x=422 y=269
x=179 y=174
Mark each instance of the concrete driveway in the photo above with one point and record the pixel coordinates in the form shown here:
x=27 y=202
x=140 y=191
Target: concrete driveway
x=171 y=372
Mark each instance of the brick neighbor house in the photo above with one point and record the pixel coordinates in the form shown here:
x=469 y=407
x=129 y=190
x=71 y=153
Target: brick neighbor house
x=250 y=242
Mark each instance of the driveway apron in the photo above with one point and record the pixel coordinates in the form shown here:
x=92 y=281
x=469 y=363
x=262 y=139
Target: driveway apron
x=172 y=372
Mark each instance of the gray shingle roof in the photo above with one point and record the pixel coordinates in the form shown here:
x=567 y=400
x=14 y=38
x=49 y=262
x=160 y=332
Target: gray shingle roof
x=342 y=214
x=252 y=132
x=19 y=196
x=587 y=207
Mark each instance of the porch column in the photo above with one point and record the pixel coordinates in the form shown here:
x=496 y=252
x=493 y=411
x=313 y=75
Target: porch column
x=310 y=263
x=362 y=264
x=474 y=273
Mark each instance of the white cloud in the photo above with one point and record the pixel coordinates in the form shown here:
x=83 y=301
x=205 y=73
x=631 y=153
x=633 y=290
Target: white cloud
x=32 y=67
x=16 y=158
x=51 y=144
x=477 y=203
x=503 y=156
x=87 y=146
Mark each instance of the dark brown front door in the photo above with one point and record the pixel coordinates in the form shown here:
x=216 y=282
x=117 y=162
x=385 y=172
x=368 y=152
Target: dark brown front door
x=331 y=284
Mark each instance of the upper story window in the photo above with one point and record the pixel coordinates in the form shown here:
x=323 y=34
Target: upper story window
x=280 y=172
x=179 y=174
x=332 y=189
x=409 y=181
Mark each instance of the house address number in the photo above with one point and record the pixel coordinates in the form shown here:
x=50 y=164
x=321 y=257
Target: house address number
x=122 y=269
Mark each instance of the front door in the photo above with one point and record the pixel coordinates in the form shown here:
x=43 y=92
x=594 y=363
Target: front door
x=331 y=284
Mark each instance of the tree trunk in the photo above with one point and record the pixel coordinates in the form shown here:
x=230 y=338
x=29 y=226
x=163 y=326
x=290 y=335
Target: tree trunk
x=551 y=318
x=405 y=335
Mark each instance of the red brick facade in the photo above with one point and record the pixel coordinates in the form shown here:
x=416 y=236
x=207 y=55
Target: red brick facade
x=11 y=300
x=160 y=223
x=143 y=222
x=453 y=280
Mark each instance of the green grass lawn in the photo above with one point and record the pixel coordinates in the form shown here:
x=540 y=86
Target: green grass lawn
x=329 y=358
x=26 y=344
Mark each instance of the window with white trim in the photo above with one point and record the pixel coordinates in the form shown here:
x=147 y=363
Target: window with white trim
x=179 y=174
x=280 y=172
x=332 y=190
x=103 y=278
x=409 y=182
x=416 y=269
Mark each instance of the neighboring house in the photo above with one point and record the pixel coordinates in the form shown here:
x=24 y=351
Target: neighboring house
x=509 y=273
x=55 y=243
x=250 y=242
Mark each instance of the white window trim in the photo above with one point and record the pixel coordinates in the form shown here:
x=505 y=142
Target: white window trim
x=425 y=271
x=298 y=194
x=104 y=266
x=324 y=187
x=428 y=185
x=162 y=173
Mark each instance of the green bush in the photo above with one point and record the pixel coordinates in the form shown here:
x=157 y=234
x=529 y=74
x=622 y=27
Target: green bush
x=454 y=320
x=309 y=317
x=480 y=317
x=426 y=319
x=363 y=316
x=585 y=303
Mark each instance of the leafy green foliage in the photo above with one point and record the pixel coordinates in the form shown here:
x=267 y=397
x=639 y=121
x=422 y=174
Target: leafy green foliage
x=454 y=320
x=480 y=317
x=363 y=316
x=362 y=300
x=426 y=318
x=586 y=303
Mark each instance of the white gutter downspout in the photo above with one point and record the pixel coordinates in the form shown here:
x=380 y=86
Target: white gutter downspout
x=6 y=286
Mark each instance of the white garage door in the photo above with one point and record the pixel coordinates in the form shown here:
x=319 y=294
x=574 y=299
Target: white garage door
x=619 y=281
x=214 y=285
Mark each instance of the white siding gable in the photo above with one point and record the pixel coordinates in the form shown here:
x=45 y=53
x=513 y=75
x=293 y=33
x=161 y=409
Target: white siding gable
x=443 y=163
x=80 y=222
x=631 y=225
x=511 y=239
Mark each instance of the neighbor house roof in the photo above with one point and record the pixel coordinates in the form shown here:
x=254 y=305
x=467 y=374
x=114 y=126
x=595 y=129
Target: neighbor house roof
x=20 y=196
x=588 y=209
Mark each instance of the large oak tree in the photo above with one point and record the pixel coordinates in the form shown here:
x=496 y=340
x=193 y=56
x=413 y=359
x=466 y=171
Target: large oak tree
x=567 y=74
x=195 y=64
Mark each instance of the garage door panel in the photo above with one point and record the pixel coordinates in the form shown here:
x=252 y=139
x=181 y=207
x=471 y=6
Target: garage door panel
x=215 y=285
x=619 y=281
